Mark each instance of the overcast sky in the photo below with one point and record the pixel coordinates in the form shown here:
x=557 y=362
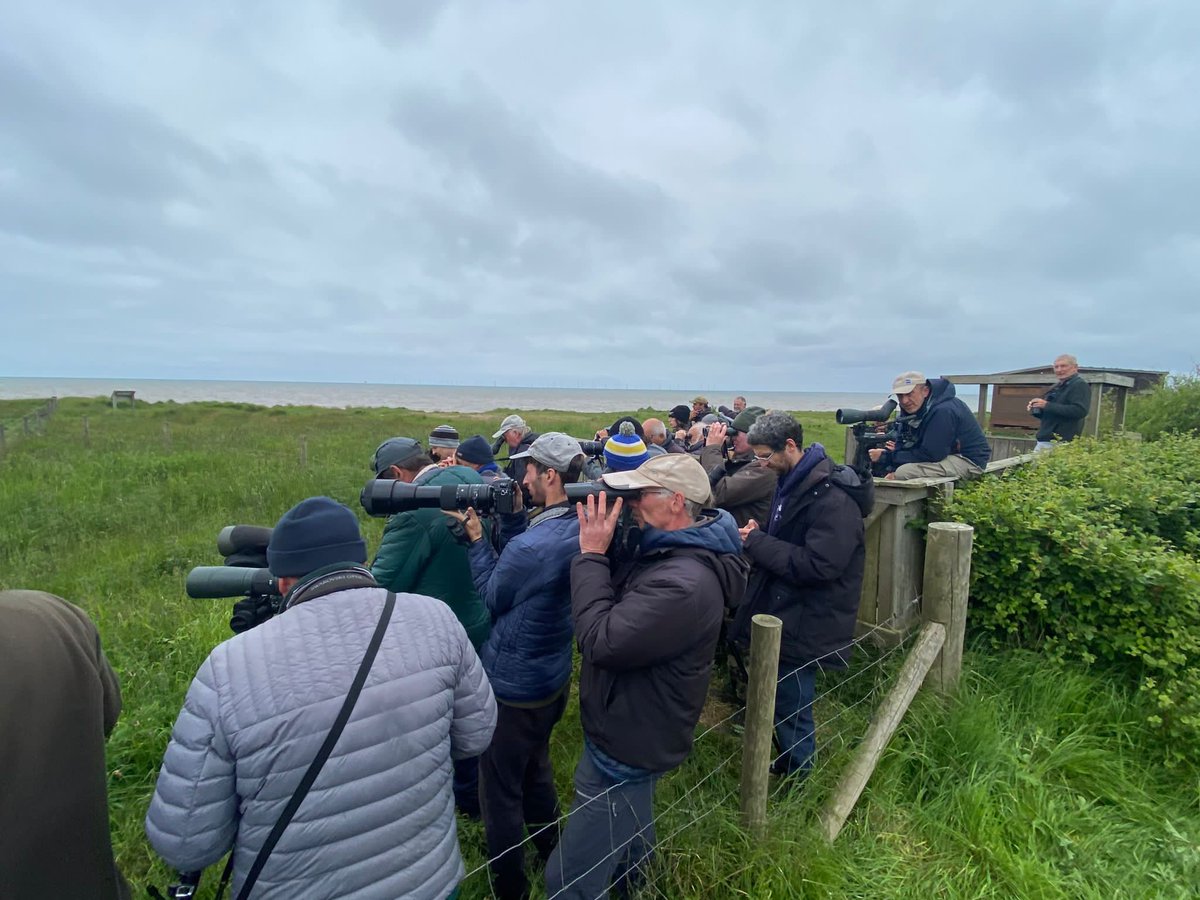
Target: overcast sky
x=760 y=196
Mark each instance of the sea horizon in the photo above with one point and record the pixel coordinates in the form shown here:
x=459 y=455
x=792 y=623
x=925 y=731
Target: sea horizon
x=421 y=397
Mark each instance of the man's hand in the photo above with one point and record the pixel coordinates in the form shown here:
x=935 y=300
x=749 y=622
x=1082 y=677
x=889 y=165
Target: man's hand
x=1036 y=403
x=470 y=522
x=518 y=499
x=601 y=435
x=597 y=524
x=451 y=460
x=681 y=434
x=750 y=526
x=716 y=434
x=875 y=453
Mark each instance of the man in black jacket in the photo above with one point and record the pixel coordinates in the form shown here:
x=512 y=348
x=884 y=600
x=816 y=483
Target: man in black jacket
x=1063 y=408
x=646 y=631
x=808 y=570
x=937 y=435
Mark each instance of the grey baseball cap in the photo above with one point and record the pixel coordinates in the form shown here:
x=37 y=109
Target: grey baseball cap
x=553 y=449
x=395 y=452
x=509 y=423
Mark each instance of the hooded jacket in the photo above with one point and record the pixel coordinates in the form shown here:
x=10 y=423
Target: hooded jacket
x=379 y=820
x=527 y=590
x=944 y=426
x=809 y=570
x=1066 y=407
x=419 y=554
x=647 y=633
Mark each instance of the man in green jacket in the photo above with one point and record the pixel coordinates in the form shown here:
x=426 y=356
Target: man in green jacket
x=420 y=554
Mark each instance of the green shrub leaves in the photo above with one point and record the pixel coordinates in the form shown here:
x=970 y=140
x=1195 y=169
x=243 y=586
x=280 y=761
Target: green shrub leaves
x=1093 y=553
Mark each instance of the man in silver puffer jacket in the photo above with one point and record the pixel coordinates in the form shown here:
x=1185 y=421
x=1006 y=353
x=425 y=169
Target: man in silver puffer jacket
x=379 y=820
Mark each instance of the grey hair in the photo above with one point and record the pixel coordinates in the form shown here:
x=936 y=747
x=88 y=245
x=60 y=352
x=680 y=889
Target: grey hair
x=773 y=430
x=692 y=508
x=654 y=428
x=1068 y=358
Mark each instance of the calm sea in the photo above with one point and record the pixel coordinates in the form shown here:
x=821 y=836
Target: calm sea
x=447 y=398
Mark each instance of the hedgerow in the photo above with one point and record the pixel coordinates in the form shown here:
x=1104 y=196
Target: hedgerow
x=1092 y=552
x=1171 y=408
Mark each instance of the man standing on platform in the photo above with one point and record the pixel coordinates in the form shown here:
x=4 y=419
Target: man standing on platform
x=1063 y=408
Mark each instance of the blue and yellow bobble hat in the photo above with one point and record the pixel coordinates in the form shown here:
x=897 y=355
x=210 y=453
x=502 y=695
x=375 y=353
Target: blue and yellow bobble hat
x=625 y=451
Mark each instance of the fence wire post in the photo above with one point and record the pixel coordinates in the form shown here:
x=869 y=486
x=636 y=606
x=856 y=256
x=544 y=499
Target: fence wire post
x=87 y=435
x=303 y=451
x=765 y=634
x=944 y=596
x=3 y=443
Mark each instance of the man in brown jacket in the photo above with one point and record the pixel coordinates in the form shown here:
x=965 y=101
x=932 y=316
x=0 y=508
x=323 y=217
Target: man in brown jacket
x=740 y=485
x=59 y=702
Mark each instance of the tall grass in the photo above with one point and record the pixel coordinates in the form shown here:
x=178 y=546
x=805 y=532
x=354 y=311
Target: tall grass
x=1036 y=781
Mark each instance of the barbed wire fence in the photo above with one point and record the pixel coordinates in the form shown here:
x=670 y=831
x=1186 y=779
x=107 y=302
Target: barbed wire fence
x=828 y=739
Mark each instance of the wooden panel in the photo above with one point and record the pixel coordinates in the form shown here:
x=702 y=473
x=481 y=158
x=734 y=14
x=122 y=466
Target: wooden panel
x=1090 y=377
x=1009 y=404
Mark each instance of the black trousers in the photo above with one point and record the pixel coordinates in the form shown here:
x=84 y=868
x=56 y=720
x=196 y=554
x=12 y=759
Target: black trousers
x=516 y=791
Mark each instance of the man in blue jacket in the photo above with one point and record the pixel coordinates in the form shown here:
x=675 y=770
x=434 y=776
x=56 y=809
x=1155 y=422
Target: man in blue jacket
x=527 y=657
x=936 y=436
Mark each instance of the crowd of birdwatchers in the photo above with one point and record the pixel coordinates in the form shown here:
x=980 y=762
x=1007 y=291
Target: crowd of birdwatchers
x=331 y=749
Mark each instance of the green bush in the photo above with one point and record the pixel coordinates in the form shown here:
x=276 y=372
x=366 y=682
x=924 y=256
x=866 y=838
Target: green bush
x=1171 y=408
x=1093 y=552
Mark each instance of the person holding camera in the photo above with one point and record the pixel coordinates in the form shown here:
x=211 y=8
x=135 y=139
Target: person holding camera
x=421 y=553
x=809 y=555
x=658 y=436
x=394 y=681
x=1063 y=408
x=646 y=630
x=60 y=701
x=740 y=486
x=527 y=657
x=514 y=432
x=936 y=436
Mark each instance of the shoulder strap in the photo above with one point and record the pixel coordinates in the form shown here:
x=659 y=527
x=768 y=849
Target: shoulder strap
x=331 y=739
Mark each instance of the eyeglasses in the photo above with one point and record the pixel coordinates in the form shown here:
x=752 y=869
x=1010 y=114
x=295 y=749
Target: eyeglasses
x=765 y=458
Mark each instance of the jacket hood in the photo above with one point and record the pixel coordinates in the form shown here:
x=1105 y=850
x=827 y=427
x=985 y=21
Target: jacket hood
x=454 y=475
x=861 y=492
x=940 y=390
x=717 y=533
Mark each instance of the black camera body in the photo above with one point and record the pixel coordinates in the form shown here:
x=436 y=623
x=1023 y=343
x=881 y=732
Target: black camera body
x=866 y=425
x=385 y=497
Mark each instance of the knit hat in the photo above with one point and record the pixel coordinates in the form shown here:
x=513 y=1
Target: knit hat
x=476 y=450
x=681 y=414
x=444 y=436
x=743 y=420
x=396 y=452
x=314 y=533
x=615 y=427
x=625 y=450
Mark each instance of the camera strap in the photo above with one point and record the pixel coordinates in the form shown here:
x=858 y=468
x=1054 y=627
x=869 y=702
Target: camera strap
x=331 y=739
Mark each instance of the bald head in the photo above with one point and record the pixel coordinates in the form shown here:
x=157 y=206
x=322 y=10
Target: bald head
x=655 y=431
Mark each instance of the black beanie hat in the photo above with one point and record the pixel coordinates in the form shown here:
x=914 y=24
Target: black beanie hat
x=681 y=413
x=615 y=428
x=314 y=533
x=476 y=450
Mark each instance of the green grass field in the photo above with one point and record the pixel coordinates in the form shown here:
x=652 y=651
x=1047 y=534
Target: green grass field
x=1037 y=781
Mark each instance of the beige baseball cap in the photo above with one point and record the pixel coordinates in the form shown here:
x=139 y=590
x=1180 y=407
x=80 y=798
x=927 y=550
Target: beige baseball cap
x=906 y=381
x=509 y=423
x=677 y=472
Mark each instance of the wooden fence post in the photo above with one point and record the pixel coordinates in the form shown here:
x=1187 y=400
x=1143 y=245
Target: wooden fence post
x=303 y=452
x=167 y=436
x=944 y=596
x=883 y=725
x=87 y=437
x=765 y=634
x=3 y=445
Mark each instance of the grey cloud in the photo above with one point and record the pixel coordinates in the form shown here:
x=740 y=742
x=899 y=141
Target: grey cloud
x=476 y=137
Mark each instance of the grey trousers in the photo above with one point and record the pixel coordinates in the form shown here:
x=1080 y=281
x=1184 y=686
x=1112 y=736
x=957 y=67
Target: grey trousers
x=953 y=466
